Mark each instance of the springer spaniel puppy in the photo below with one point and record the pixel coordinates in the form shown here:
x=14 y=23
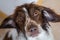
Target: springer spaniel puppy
x=30 y=22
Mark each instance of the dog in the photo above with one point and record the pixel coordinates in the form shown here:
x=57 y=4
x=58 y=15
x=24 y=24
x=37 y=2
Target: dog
x=30 y=22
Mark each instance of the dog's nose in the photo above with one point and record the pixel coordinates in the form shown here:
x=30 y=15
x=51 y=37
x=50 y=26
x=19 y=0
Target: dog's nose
x=33 y=29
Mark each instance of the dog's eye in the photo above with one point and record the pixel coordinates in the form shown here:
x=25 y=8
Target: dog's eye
x=36 y=13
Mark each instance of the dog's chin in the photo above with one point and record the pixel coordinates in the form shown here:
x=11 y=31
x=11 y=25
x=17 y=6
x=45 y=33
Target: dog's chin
x=34 y=34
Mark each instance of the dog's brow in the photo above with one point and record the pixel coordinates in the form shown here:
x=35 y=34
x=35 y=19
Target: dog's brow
x=26 y=12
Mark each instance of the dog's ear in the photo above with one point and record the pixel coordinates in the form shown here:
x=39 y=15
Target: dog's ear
x=8 y=23
x=20 y=17
x=50 y=15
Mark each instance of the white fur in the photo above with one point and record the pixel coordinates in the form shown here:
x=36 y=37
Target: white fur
x=26 y=12
x=13 y=33
x=21 y=36
x=15 y=36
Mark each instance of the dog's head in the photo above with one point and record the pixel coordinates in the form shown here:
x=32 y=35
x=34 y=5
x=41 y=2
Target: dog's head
x=30 y=19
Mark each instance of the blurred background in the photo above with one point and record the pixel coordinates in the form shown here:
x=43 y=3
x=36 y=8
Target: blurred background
x=7 y=8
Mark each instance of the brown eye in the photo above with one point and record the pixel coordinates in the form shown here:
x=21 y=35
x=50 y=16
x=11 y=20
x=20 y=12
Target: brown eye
x=36 y=13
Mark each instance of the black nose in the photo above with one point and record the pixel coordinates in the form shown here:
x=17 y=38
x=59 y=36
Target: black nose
x=33 y=29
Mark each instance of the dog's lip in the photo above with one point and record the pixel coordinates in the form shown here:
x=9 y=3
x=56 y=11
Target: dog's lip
x=34 y=34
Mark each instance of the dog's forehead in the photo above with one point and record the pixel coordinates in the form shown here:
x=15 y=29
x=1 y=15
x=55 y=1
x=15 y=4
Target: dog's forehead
x=33 y=12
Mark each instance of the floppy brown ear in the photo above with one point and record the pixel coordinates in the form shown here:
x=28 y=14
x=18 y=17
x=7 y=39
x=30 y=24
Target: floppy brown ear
x=50 y=15
x=8 y=23
x=19 y=17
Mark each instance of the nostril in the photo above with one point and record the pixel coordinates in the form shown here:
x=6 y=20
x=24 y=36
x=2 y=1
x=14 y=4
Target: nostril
x=33 y=30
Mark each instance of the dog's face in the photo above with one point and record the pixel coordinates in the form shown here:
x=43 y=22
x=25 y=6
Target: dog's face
x=31 y=19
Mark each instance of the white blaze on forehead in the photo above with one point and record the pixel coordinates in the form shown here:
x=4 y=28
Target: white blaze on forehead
x=27 y=17
x=26 y=11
